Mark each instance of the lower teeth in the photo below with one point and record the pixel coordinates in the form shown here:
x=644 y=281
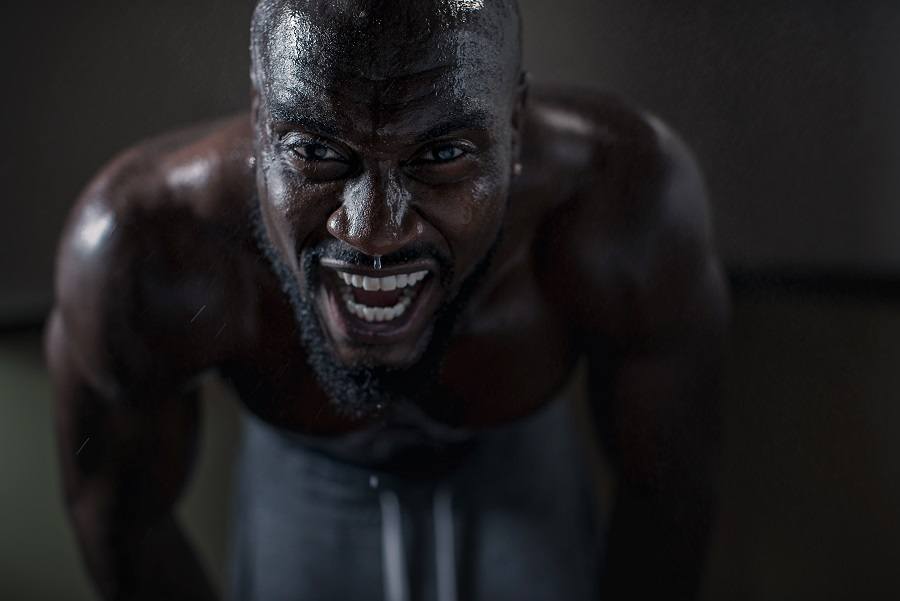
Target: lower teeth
x=378 y=314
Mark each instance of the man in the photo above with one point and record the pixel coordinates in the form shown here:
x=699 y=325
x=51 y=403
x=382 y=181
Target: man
x=397 y=259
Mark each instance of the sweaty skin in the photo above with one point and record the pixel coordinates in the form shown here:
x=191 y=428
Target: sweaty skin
x=599 y=250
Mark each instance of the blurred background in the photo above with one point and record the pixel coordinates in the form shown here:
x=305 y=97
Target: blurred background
x=791 y=108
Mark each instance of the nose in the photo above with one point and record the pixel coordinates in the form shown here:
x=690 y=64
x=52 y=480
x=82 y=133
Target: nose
x=375 y=216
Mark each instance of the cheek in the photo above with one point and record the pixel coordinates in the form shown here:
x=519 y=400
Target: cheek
x=471 y=221
x=484 y=208
x=293 y=210
x=277 y=193
x=273 y=187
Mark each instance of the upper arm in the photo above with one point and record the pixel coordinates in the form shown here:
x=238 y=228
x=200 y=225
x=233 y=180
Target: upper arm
x=636 y=241
x=94 y=323
x=121 y=429
x=116 y=453
x=144 y=287
x=652 y=308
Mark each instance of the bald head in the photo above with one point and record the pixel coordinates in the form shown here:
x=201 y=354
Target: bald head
x=321 y=42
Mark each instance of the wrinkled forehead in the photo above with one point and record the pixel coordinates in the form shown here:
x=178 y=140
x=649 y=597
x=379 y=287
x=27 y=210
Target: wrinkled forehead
x=326 y=54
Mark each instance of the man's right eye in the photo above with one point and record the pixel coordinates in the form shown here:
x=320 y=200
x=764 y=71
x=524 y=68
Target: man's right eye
x=316 y=160
x=314 y=151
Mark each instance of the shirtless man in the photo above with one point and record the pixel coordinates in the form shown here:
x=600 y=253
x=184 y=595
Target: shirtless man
x=396 y=258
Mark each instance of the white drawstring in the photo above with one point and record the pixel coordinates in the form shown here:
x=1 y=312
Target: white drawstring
x=396 y=579
x=445 y=545
x=393 y=556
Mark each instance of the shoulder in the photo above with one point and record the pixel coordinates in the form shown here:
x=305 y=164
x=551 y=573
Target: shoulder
x=629 y=245
x=143 y=267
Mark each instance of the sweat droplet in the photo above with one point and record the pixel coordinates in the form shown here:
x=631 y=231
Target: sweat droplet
x=377 y=262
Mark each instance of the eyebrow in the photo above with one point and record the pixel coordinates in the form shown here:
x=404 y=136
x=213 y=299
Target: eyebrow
x=282 y=115
x=476 y=119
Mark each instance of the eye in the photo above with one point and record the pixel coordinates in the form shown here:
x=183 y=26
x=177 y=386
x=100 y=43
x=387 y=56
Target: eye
x=442 y=154
x=315 y=159
x=316 y=151
x=445 y=162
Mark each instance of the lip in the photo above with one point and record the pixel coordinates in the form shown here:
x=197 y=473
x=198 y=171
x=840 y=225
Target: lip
x=428 y=265
x=403 y=330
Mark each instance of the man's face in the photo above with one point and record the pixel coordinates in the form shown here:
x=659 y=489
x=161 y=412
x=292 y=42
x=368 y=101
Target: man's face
x=383 y=167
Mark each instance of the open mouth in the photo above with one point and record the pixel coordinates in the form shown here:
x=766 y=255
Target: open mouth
x=380 y=306
x=371 y=298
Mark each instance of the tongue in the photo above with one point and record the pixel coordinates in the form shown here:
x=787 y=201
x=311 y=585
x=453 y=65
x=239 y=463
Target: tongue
x=376 y=298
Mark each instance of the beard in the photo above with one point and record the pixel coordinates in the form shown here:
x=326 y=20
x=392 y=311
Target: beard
x=366 y=388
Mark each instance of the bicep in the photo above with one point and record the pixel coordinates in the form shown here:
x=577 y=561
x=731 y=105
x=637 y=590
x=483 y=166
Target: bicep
x=134 y=453
x=655 y=363
x=659 y=409
x=150 y=293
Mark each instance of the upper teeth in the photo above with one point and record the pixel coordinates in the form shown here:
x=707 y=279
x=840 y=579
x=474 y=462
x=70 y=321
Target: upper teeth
x=391 y=282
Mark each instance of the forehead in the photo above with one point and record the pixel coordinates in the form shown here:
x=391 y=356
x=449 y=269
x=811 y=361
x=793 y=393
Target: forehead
x=323 y=60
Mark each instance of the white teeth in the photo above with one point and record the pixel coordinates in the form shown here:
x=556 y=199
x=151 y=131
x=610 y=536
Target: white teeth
x=377 y=314
x=404 y=282
x=391 y=282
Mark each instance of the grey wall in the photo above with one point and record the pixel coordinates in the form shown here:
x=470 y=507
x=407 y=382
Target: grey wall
x=83 y=81
x=791 y=107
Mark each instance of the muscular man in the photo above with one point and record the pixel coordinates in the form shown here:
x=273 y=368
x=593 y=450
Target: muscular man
x=396 y=259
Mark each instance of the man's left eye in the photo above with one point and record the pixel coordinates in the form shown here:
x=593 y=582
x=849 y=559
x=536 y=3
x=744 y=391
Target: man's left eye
x=443 y=154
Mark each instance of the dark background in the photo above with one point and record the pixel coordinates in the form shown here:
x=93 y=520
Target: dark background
x=790 y=107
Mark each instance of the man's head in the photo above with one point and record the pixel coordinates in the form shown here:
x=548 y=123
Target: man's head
x=386 y=134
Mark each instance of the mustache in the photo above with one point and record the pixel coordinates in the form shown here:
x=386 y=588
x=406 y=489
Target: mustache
x=338 y=251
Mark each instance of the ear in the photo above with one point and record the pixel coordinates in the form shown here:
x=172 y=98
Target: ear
x=518 y=114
